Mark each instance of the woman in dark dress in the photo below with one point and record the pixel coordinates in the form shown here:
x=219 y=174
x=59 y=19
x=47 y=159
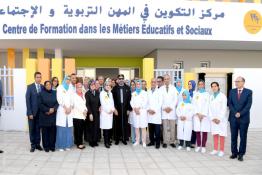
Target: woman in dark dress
x=93 y=119
x=47 y=121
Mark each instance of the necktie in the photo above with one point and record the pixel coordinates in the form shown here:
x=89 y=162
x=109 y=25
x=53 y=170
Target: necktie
x=167 y=89
x=38 y=88
x=239 y=94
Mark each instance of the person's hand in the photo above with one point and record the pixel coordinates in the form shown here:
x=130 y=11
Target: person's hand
x=168 y=110
x=91 y=118
x=237 y=115
x=217 y=121
x=151 y=112
x=111 y=112
x=116 y=112
x=30 y=117
x=47 y=113
x=137 y=111
x=51 y=110
x=200 y=117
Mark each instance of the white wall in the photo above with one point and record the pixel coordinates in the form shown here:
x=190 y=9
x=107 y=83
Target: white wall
x=253 y=83
x=15 y=120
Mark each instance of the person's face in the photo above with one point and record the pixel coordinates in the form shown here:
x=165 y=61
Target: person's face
x=121 y=81
x=138 y=85
x=101 y=80
x=38 y=78
x=113 y=83
x=55 y=82
x=143 y=85
x=159 y=82
x=167 y=80
x=133 y=86
x=108 y=87
x=190 y=85
x=73 y=79
x=178 y=83
x=184 y=96
x=48 y=86
x=93 y=86
x=85 y=81
x=68 y=81
x=239 y=83
x=97 y=85
x=78 y=87
x=153 y=83
x=214 y=87
x=201 y=85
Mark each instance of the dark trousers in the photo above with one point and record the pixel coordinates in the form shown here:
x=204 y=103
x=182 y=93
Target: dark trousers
x=201 y=141
x=154 y=133
x=34 y=131
x=49 y=137
x=182 y=142
x=242 y=128
x=106 y=134
x=121 y=128
x=193 y=138
x=79 y=126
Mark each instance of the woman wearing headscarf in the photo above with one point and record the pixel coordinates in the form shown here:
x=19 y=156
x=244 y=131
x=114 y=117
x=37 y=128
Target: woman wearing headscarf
x=106 y=112
x=191 y=89
x=185 y=112
x=64 y=117
x=93 y=119
x=180 y=90
x=47 y=117
x=201 y=120
x=139 y=105
x=79 y=115
x=218 y=117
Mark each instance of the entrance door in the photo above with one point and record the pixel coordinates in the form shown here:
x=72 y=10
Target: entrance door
x=107 y=72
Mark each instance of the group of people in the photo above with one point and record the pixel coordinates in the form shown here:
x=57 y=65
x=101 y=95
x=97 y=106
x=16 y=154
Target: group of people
x=116 y=109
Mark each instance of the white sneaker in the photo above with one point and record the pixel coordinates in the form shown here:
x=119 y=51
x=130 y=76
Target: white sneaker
x=221 y=154
x=214 y=152
x=179 y=147
x=197 y=149
x=136 y=143
x=61 y=150
x=144 y=145
x=188 y=149
x=203 y=150
x=68 y=149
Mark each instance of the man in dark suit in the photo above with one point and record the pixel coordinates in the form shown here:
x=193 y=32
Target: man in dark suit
x=1 y=103
x=122 y=96
x=32 y=107
x=239 y=102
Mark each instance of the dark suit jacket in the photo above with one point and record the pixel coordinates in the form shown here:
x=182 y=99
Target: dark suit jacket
x=32 y=100
x=242 y=106
x=126 y=98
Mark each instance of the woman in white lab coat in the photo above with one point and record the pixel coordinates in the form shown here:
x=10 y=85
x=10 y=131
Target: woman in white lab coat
x=201 y=120
x=185 y=112
x=218 y=117
x=106 y=112
x=180 y=89
x=64 y=116
x=139 y=105
x=79 y=115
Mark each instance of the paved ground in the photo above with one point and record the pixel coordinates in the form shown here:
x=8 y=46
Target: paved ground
x=124 y=159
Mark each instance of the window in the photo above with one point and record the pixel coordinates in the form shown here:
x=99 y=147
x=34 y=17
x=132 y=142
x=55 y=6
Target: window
x=205 y=64
x=178 y=65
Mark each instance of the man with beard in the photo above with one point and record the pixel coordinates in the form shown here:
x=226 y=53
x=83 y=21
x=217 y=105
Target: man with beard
x=122 y=97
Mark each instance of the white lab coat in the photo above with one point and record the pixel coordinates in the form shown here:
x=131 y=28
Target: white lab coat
x=79 y=106
x=184 y=128
x=64 y=98
x=218 y=110
x=169 y=99
x=154 y=103
x=107 y=105
x=201 y=105
x=139 y=101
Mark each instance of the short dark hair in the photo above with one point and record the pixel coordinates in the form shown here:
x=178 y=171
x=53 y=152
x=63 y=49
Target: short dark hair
x=73 y=74
x=121 y=75
x=160 y=77
x=37 y=73
x=216 y=83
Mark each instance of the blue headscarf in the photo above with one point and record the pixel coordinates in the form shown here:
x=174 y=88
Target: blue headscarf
x=188 y=99
x=179 y=88
x=140 y=89
x=191 y=91
x=201 y=90
x=65 y=85
x=216 y=93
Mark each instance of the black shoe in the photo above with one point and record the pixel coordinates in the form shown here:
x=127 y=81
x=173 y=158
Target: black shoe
x=240 y=158
x=164 y=145
x=117 y=142
x=32 y=150
x=38 y=147
x=107 y=145
x=47 y=150
x=1 y=151
x=150 y=144
x=157 y=146
x=124 y=142
x=53 y=150
x=172 y=145
x=233 y=156
x=96 y=144
x=192 y=146
x=91 y=144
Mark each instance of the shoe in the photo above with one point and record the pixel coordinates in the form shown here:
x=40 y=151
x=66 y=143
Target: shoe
x=197 y=149
x=214 y=152
x=38 y=147
x=164 y=145
x=179 y=147
x=124 y=142
x=188 y=148
x=172 y=145
x=192 y=146
x=240 y=158
x=144 y=145
x=1 y=151
x=150 y=144
x=221 y=154
x=117 y=142
x=46 y=150
x=81 y=147
x=53 y=150
x=107 y=145
x=96 y=144
x=32 y=150
x=91 y=144
x=203 y=150
x=136 y=143
x=233 y=156
x=61 y=150
x=158 y=146
x=67 y=149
